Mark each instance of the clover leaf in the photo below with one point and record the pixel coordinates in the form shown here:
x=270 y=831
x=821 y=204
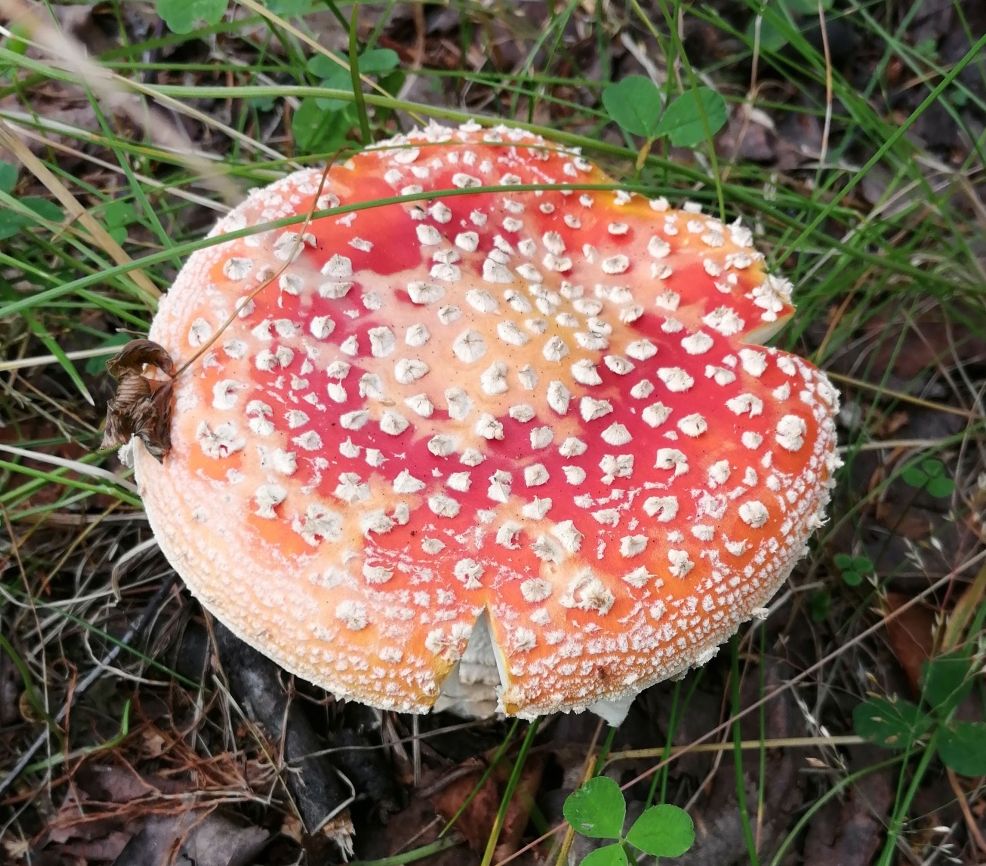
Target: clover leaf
x=634 y=102
x=597 y=810
x=184 y=16
x=946 y=680
x=897 y=724
x=117 y=215
x=608 y=855
x=663 y=831
x=891 y=723
x=692 y=116
x=929 y=474
x=853 y=568
x=962 y=747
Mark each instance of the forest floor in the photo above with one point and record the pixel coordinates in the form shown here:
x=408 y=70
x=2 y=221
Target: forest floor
x=129 y=733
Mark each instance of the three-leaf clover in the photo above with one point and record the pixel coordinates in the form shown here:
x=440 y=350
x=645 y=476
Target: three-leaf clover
x=853 y=568
x=376 y=61
x=636 y=105
x=895 y=723
x=929 y=474
x=597 y=810
x=321 y=124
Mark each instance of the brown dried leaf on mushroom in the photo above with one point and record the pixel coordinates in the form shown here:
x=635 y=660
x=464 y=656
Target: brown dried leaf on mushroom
x=141 y=406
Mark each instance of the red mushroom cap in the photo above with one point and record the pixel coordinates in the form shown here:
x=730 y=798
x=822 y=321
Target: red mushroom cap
x=546 y=405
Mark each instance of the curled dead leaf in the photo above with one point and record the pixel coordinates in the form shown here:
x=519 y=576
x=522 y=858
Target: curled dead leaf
x=141 y=406
x=137 y=354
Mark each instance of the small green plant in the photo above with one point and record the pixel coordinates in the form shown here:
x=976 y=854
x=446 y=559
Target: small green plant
x=636 y=105
x=11 y=220
x=117 y=216
x=819 y=605
x=321 y=125
x=896 y=723
x=778 y=20
x=597 y=810
x=184 y=16
x=376 y=61
x=929 y=474
x=853 y=568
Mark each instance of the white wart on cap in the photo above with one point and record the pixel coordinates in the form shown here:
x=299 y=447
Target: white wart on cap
x=548 y=406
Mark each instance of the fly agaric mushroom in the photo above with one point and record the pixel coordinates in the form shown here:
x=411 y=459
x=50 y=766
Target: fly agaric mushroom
x=540 y=418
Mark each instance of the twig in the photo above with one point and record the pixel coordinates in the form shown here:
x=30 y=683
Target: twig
x=775 y=743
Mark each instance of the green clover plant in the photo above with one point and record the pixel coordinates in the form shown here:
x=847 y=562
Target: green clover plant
x=853 y=568
x=636 y=105
x=117 y=216
x=597 y=810
x=929 y=474
x=896 y=723
x=321 y=124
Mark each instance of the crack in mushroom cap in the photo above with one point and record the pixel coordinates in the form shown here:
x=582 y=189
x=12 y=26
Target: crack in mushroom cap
x=549 y=405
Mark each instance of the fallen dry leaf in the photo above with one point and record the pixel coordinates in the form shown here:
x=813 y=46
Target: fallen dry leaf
x=477 y=820
x=141 y=406
x=911 y=636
